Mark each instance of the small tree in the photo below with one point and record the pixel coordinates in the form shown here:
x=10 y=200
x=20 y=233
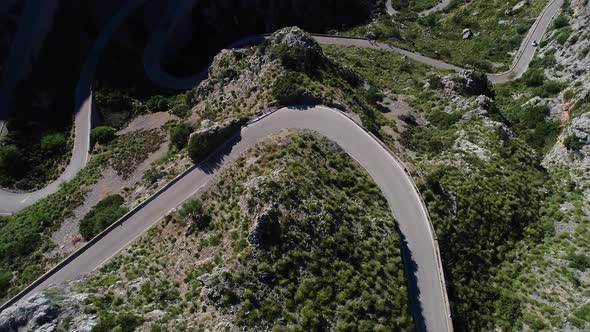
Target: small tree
x=157 y=104
x=10 y=159
x=572 y=143
x=179 y=135
x=197 y=147
x=5 y=278
x=102 y=215
x=55 y=142
x=373 y=95
x=193 y=209
x=102 y=134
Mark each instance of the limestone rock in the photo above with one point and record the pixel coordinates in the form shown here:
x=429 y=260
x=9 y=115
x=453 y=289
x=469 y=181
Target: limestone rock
x=466 y=33
x=300 y=50
x=468 y=82
x=486 y=103
x=516 y=8
x=38 y=313
x=577 y=161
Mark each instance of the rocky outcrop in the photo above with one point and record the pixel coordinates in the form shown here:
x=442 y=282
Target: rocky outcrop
x=209 y=137
x=576 y=158
x=45 y=312
x=297 y=50
x=266 y=230
x=37 y=314
x=468 y=83
x=572 y=67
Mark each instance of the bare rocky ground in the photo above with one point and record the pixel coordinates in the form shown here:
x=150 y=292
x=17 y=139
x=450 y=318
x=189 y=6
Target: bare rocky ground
x=560 y=290
x=67 y=238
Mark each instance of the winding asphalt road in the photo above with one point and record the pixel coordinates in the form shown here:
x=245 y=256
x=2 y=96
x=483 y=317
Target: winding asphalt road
x=397 y=187
x=11 y=202
x=431 y=304
x=520 y=64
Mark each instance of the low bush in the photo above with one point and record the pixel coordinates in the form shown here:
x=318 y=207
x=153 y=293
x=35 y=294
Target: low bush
x=4 y=282
x=572 y=143
x=290 y=86
x=11 y=162
x=580 y=262
x=444 y=120
x=561 y=22
x=193 y=210
x=102 y=215
x=102 y=134
x=122 y=322
x=197 y=147
x=157 y=104
x=179 y=135
x=534 y=77
x=564 y=35
x=53 y=143
x=373 y=95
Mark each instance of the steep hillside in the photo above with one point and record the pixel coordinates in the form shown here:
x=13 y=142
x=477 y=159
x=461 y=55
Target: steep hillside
x=504 y=173
x=294 y=236
x=134 y=163
x=443 y=34
x=550 y=281
x=44 y=99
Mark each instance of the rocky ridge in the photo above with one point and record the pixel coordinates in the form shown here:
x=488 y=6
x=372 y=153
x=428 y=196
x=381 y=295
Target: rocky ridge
x=572 y=66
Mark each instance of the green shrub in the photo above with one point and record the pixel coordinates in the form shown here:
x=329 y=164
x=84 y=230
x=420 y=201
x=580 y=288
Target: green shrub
x=102 y=215
x=564 y=35
x=580 y=262
x=581 y=316
x=4 y=282
x=179 y=135
x=289 y=86
x=193 y=209
x=550 y=88
x=444 y=120
x=534 y=77
x=569 y=95
x=180 y=110
x=198 y=146
x=373 y=95
x=123 y=322
x=53 y=142
x=157 y=104
x=102 y=134
x=573 y=143
x=561 y=21
x=11 y=162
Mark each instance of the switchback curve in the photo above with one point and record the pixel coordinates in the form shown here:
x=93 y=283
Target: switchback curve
x=421 y=255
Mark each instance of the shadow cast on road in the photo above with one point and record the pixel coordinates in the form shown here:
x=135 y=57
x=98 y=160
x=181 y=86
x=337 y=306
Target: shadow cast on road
x=216 y=159
x=410 y=268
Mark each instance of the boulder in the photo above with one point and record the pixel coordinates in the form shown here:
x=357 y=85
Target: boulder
x=486 y=103
x=466 y=33
x=516 y=8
